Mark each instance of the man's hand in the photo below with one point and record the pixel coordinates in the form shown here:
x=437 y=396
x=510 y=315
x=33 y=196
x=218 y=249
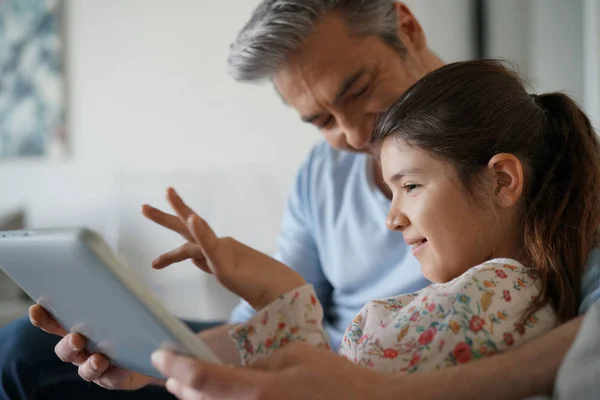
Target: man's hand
x=92 y=367
x=298 y=371
x=252 y=275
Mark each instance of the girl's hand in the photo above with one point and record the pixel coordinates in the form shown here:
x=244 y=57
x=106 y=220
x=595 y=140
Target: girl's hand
x=252 y=275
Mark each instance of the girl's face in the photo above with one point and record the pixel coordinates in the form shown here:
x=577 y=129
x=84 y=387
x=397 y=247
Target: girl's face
x=448 y=230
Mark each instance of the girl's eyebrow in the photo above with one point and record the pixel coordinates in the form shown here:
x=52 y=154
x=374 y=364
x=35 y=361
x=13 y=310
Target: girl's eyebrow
x=404 y=172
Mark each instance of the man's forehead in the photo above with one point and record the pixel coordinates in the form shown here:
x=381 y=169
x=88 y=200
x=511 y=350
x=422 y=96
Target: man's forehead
x=295 y=83
x=327 y=58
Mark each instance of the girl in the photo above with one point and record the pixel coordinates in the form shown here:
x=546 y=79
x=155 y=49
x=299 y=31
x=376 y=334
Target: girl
x=497 y=192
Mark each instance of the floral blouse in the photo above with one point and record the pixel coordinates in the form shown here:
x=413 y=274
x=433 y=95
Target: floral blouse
x=475 y=315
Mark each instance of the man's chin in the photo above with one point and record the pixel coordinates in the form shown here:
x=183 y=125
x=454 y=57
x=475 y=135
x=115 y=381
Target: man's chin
x=350 y=149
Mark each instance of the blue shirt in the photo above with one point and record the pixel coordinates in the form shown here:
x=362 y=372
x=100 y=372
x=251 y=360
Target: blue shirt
x=333 y=233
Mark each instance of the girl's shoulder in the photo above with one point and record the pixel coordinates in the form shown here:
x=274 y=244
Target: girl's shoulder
x=494 y=274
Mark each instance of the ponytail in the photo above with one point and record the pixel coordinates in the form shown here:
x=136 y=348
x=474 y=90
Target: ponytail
x=563 y=203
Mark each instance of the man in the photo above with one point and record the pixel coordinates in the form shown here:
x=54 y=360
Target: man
x=340 y=64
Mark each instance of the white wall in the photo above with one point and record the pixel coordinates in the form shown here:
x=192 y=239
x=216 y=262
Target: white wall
x=591 y=42
x=548 y=41
x=449 y=26
x=508 y=34
x=148 y=89
x=556 y=46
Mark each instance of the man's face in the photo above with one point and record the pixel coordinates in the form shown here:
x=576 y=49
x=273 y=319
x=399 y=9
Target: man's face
x=341 y=82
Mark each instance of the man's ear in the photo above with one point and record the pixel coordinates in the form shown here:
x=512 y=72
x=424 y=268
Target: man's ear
x=409 y=29
x=507 y=179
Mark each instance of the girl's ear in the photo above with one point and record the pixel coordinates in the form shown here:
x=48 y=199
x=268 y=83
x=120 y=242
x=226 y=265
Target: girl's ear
x=506 y=172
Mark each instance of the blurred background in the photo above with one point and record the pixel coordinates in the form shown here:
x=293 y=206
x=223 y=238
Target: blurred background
x=105 y=103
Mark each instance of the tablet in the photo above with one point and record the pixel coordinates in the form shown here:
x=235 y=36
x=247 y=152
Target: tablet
x=76 y=277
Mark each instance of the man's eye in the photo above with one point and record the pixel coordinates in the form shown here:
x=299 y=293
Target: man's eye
x=327 y=123
x=361 y=91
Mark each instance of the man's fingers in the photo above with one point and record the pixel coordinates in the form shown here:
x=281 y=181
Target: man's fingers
x=184 y=252
x=71 y=348
x=40 y=318
x=168 y=221
x=122 y=379
x=178 y=205
x=93 y=367
x=183 y=392
x=213 y=381
x=114 y=379
x=186 y=370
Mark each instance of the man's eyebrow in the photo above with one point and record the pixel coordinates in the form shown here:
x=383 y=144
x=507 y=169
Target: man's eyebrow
x=346 y=85
x=311 y=118
x=403 y=172
x=351 y=80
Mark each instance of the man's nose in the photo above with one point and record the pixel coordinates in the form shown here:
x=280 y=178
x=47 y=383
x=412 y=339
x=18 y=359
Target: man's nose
x=358 y=131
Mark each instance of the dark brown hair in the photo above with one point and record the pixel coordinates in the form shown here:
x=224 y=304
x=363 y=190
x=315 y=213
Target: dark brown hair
x=467 y=112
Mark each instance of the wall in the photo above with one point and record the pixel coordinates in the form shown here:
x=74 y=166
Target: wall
x=551 y=43
x=556 y=45
x=449 y=26
x=148 y=90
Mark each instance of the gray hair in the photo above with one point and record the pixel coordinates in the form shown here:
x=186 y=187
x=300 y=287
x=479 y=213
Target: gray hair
x=279 y=27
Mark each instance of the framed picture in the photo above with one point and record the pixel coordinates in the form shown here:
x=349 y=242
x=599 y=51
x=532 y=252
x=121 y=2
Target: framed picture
x=32 y=79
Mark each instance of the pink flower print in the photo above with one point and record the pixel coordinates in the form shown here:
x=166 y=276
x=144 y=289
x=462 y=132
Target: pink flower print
x=462 y=353
x=501 y=274
x=427 y=336
x=248 y=347
x=390 y=353
x=476 y=323
x=414 y=360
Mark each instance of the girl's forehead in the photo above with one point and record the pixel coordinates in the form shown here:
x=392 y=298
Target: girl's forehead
x=397 y=152
x=397 y=157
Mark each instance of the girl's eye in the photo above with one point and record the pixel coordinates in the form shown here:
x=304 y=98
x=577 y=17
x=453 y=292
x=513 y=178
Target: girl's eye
x=409 y=188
